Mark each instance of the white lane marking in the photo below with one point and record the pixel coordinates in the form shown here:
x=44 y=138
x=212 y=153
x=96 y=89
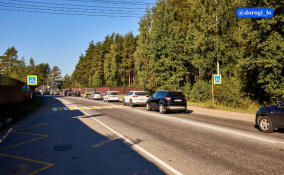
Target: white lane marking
x=6 y=135
x=96 y=107
x=209 y=126
x=153 y=157
x=65 y=109
x=87 y=107
x=75 y=107
x=107 y=107
x=54 y=109
x=214 y=127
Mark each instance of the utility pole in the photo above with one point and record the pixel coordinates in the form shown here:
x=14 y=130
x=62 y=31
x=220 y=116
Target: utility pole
x=217 y=44
x=217 y=50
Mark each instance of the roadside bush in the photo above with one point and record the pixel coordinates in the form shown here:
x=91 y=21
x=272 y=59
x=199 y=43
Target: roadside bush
x=200 y=91
x=229 y=93
x=186 y=90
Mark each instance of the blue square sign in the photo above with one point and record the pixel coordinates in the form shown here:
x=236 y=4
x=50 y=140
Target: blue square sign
x=217 y=79
x=32 y=80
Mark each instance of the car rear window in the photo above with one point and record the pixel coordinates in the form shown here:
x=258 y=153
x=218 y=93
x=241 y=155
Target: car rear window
x=113 y=93
x=141 y=93
x=175 y=95
x=97 y=93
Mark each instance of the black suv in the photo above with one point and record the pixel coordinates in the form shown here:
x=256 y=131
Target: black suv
x=271 y=117
x=165 y=101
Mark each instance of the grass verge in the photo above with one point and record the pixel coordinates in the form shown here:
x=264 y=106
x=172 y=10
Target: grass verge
x=251 y=109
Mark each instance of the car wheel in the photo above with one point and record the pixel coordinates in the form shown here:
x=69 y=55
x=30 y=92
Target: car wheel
x=131 y=104
x=148 y=108
x=162 y=109
x=265 y=124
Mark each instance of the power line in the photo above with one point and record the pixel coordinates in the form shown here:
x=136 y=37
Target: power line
x=67 y=11
x=79 y=5
x=114 y=2
x=68 y=8
x=73 y=14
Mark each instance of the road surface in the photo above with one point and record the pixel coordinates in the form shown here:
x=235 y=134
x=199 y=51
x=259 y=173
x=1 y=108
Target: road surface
x=72 y=135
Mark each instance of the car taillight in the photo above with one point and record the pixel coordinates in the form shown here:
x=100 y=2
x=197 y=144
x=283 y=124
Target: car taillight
x=135 y=96
x=167 y=98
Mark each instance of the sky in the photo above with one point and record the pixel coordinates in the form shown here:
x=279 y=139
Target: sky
x=59 y=39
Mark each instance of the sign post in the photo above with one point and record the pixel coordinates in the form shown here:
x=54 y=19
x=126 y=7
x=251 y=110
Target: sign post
x=217 y=79
x=32 y=80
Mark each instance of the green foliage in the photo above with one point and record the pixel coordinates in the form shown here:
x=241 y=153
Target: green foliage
x=12 y=67
x=229 y=93
x=201 y=91
x=67 y=83
x=179 y=44
x=96 y=80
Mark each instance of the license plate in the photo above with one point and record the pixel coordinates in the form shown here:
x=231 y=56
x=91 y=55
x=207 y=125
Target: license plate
x=178 y=100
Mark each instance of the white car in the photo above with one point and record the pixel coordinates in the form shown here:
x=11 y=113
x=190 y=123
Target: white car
x=96 y=96
x=135 y=98
x=111 y=96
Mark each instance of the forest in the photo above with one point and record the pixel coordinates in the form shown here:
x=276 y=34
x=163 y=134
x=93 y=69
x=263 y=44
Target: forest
x=178 y=46
x=16 y=68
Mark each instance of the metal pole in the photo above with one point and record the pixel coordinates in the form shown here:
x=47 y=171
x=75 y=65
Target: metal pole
x=217 y=39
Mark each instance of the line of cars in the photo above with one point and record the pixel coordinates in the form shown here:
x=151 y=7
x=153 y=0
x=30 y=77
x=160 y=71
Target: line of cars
x=72 y=93
x=267 y=118
x=162 y=101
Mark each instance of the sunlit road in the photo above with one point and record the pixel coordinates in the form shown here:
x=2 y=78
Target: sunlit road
x=72 y=135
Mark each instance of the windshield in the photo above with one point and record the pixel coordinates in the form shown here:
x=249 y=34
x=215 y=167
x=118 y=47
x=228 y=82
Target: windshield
x=175 y=95
x=141 y=93
x=113 y=93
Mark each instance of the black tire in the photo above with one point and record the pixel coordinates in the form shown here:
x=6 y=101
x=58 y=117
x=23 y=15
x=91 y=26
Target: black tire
x=131 y=104
x=265 y=124
x=148 y=107
x=162 y=109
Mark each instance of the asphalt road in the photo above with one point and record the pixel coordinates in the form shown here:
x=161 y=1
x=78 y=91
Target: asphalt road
x=106 y=138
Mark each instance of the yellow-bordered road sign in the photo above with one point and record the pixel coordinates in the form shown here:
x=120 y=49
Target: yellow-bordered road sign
x=217 y=79
x=32 y=80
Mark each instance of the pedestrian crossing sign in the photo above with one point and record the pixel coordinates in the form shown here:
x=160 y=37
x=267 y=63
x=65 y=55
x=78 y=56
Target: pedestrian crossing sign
x=217 y=79
x=32 y=80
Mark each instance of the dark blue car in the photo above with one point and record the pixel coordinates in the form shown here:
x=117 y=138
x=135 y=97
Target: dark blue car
x=165 y=101
x=270 y=118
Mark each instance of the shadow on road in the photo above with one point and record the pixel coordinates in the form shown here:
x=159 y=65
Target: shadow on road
x=72 y=146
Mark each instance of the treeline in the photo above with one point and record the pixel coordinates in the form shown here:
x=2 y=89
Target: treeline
x=16 y=68
x=178 y=46
x=107 y=63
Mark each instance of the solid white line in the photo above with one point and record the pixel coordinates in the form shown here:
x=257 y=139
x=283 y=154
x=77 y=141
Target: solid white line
x=153 y=157
x=6 y=135
x=213 y=127
x=210 y=126
x=74 y=107
x=107 y=107
x=96 y=107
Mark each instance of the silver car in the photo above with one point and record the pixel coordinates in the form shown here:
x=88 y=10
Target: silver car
x=96 y=96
